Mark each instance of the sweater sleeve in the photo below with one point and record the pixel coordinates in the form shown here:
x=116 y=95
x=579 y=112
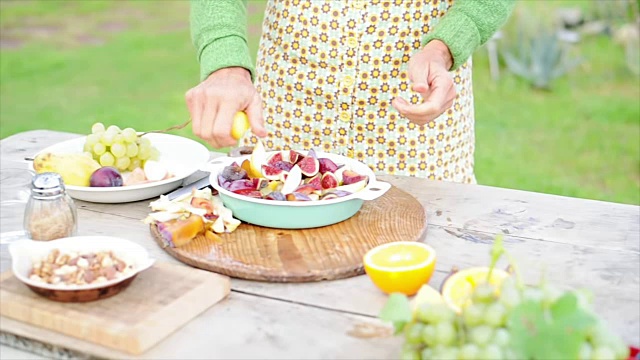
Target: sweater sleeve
x=219 y=34
x=469 y=24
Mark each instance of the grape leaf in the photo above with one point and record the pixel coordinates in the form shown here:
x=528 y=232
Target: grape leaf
x=555 y=333
x=397 y=310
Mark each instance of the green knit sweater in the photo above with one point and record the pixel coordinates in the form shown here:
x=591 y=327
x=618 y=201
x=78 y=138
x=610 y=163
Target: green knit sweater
x=219 y=31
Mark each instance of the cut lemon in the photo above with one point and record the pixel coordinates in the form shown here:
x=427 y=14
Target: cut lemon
x=458 y=287
x=240 y=125
x=427 y=295
x=401 y=267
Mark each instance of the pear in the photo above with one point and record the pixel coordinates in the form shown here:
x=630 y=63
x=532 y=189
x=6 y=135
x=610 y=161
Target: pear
x=75 y=169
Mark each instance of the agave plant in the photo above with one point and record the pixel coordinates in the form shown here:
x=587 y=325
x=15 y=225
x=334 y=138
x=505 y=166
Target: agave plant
x=539 y=58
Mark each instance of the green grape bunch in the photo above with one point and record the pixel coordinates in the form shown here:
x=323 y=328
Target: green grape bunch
x=122 y=149
x=505 y=321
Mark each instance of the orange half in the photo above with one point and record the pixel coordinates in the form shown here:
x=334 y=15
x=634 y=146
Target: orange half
x=401 y=267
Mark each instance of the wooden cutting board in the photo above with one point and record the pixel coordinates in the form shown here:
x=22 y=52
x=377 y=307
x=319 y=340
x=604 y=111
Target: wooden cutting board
x=158 y=302
x=326 y=253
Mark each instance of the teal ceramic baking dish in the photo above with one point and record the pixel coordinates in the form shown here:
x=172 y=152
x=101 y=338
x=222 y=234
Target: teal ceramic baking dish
x=297 y=214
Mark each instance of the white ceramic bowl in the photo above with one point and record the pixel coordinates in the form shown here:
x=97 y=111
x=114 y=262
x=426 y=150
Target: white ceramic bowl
x=182 y=156
x=298 y=214
x=25 y=252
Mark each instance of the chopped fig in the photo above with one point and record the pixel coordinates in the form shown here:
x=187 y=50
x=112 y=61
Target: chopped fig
x=314 y=197
x=312 y=153
x=329 y=181
x=297 y=197
x=315 y=181
x=326 y=165
x=224 y=183
x=352 y=177
x=328 y=196
x=241 y=185
x=294 y=157
x=309 y=166
x=284 y=165
x=305 y=189
x=274 y=158
x=276 y=195
x=272 y=172
x=233 y=173
x=338 y=173
x=260 y=183
x=250 y=193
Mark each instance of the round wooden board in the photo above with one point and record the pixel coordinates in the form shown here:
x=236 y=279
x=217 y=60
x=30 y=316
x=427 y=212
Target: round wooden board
x=326 y=253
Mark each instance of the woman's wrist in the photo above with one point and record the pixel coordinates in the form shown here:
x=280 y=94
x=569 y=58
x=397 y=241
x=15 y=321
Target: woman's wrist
x=439 y=51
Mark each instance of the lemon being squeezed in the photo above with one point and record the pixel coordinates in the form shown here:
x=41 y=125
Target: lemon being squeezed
x=240 y=125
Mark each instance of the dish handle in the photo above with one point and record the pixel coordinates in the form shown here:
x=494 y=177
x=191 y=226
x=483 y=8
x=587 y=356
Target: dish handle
x=373 y=191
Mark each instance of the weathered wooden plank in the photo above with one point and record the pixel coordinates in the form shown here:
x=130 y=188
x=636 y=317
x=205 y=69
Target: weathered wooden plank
x=612 y=275
x=527 y=214
x=249 y=327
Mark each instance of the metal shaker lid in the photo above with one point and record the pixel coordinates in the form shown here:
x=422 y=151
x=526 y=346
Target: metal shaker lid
x=47 y=185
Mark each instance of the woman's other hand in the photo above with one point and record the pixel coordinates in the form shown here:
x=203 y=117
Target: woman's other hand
x=429 y=75
x=213 y=103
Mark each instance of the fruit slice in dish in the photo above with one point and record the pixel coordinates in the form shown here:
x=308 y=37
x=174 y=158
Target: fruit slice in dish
x=400 y=266
x=258 y=158
x=293 y=180
x=458 y=287
x=179 y=232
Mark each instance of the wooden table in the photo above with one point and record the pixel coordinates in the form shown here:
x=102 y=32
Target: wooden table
x=576 y=242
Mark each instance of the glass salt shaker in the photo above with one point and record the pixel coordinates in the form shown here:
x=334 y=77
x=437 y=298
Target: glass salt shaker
x=50 y=213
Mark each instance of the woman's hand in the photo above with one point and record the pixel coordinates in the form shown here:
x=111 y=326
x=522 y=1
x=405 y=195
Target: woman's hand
x=429 y=74
x=213 y=103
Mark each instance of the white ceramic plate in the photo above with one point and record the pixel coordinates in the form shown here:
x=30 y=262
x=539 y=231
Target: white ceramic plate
x=24 y=252
x=182 y=156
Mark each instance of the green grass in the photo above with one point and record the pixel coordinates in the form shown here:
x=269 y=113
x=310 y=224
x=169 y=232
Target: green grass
x=129 y=63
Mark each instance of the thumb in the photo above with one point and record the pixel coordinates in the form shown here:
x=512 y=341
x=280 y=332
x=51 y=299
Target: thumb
x=419 y=74
x=254 y=113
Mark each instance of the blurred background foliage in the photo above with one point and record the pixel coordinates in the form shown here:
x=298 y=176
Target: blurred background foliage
x=557 y=91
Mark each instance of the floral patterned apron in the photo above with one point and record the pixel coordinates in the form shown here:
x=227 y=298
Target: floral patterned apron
x=328 y=70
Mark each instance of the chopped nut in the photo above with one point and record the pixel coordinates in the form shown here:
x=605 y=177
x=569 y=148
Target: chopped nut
x=52 y=256
x=120 y=265
x=62 y=259
x=79 y=268
x=110 y=272
x=89 y=277
x=83 y=263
